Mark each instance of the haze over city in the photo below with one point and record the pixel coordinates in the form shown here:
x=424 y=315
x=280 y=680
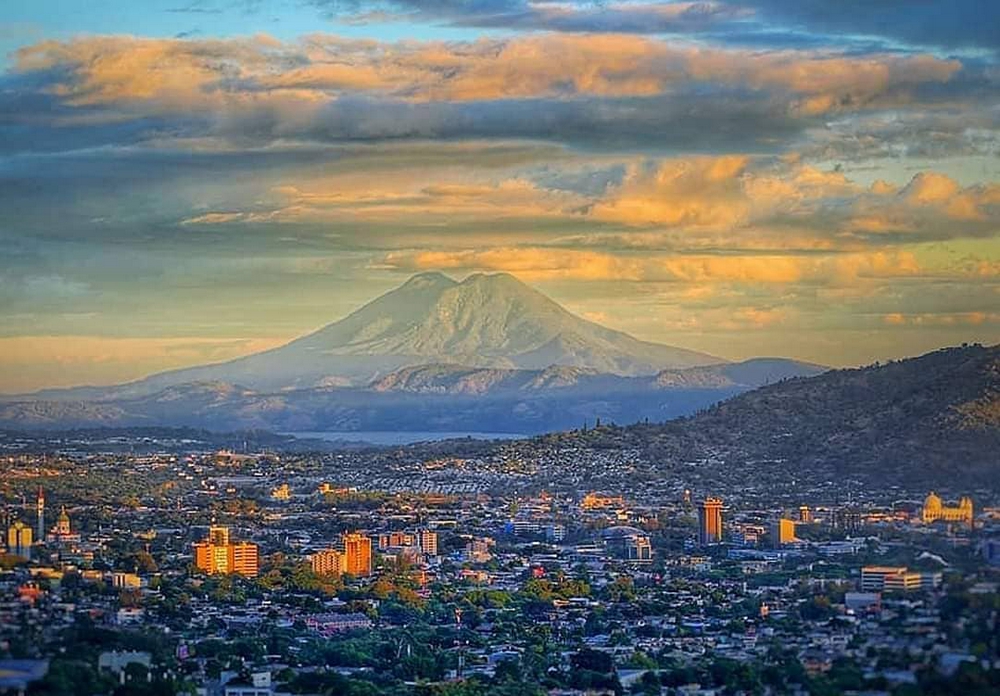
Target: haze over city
x=187 y=182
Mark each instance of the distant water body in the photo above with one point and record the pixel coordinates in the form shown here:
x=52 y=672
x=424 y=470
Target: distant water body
x=394 y=437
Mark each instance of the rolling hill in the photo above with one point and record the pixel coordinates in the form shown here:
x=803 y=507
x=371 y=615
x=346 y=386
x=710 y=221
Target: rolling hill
x=932 y=420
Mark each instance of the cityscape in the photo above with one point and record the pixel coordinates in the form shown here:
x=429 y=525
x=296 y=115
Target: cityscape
x=256 y=573
x=500 y=348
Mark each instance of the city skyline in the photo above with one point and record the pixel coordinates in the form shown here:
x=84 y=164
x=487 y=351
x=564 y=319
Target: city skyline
x=188 y=182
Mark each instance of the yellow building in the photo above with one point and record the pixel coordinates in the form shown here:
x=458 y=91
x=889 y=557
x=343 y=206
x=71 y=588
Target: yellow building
x=19 y=539
x=596 y=501
x=282 y=492
x=783 y=532
x=218 y=556
x=327 y=562
x=934 y=509
x=357 y=554
x=710 y=521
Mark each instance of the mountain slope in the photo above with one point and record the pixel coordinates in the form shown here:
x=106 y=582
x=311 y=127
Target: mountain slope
x=491 y=321
x=429 y=397
x=931 y=419
x=457 y=379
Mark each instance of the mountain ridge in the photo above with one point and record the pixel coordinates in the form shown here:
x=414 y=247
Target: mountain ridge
x=428 y=397
x=928 y=420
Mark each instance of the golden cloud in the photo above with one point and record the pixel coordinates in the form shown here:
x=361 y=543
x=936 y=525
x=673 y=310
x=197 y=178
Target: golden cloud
x=942 y=319
x=700 y=271
x=261 y=72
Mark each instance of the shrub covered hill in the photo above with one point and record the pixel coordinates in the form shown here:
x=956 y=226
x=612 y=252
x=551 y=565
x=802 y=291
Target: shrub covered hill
x=929 y=421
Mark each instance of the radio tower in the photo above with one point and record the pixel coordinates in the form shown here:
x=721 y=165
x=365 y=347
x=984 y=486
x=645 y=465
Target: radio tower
x=40 y=508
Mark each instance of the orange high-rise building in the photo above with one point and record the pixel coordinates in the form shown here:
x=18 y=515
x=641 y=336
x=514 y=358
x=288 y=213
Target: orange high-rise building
x=218 y=556
x=710 y=521
x=327 y=562
x=357 y=554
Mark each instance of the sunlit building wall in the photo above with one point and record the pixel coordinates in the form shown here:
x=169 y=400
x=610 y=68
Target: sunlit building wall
x=710 y=521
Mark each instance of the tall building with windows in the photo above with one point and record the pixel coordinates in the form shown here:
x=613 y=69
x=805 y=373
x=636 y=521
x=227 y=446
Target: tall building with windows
x=427 y=539
x=217 y=555
x=40 y=508
x=19 y=539
x=327 y=562
x=934 y=510
x=357 y=554
x=218 y=535
x=710 y=521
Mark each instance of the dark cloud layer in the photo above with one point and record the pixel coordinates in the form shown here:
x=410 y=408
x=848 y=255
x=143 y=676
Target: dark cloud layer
x=945 y=24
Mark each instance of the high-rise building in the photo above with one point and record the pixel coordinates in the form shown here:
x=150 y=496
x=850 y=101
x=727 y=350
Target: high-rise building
x=428 y=541
x=245 y=559
x=357 y=554
x=934 y=509
x=710 y=521
x=783 y=532
x=396 y=538
x=19 y=539
x=219 y=536
x=216 y=555
x=40 y=508
x=805 y=514
x=327 y=562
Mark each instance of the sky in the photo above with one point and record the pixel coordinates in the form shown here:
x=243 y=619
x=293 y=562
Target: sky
x=186 y=181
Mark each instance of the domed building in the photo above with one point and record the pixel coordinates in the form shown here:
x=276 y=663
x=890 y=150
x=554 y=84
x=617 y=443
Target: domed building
x=62 y=533
x=934 y=510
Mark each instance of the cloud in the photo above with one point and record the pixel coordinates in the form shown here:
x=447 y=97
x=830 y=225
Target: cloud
x=700 y=192
x=539 y=263
x=952 y=24
x=598 y=90
x=573 y=16
x=959 y=24
x=942 y=319
x=788 y=201
x=174 y=73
